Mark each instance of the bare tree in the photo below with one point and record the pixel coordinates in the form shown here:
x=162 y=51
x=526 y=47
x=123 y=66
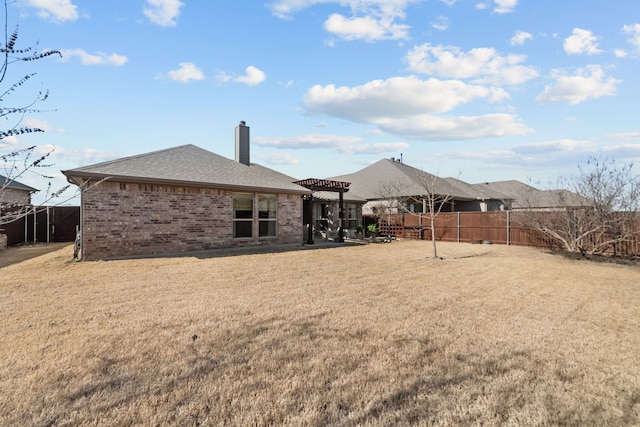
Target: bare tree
x=429 y=193
x=592 y=212
x=15 y=163
x=437 y=195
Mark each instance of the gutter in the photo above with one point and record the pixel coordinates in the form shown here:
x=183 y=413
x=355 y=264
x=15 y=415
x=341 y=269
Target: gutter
x=141 y=180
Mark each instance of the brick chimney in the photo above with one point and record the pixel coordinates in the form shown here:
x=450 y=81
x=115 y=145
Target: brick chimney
x=242 y=143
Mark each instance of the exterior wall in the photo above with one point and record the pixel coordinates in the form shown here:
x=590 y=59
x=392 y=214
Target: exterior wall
x=125 y=219
x=12 y=196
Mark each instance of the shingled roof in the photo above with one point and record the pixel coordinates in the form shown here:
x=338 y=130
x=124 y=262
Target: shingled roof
x=5 y=182
x=525 y=196
x=377 y=180
x=190 y=166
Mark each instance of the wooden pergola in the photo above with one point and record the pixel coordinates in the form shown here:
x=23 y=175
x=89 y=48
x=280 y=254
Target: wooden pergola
x=315 y=184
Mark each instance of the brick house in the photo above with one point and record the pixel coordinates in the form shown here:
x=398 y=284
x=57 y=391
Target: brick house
x=14 y=193
x=185 y=199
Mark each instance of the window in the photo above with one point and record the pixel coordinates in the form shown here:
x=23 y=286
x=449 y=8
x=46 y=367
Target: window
x=267 y=217
x=352 y=216
x=243 y=215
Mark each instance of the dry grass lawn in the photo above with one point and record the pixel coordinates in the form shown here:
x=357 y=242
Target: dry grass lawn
x=347 y=336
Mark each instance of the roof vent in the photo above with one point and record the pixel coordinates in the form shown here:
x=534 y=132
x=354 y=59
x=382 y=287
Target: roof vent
x=242 y=144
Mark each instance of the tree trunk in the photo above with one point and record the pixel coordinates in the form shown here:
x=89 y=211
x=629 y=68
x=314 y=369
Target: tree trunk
x=433 y=237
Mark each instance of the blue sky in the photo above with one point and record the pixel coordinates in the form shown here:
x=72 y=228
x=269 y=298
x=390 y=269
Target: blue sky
x=483 y=90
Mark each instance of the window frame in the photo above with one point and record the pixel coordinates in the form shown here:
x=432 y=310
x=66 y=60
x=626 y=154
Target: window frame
x=241 y=221
x=250 y=218
x=268 y=217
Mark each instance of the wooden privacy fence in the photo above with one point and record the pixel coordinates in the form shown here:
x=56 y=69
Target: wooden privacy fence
x=46 y=224
x=496 y=227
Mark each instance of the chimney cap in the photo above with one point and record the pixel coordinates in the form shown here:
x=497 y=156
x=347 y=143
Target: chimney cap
x=243 y=123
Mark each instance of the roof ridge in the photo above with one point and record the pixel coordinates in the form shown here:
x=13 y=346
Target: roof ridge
x=138 y=156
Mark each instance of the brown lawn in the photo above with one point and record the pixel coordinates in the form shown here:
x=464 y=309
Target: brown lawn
x=347 y=336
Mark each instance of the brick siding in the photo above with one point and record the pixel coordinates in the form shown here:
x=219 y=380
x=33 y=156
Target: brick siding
x=15 y=197
x=126 y=219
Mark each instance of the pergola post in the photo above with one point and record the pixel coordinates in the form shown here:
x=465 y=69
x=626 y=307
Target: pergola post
x=310 y=220
x=341 y=216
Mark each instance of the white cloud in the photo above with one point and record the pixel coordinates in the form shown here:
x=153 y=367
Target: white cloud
x=449 y=2
x=586 y=83
x=629 y=136
x=340 y=143
x=32 y=122
x=505 y=6
x=409 y=107
x=369 y=20
x=93 y=59
x=284 y=9
x=582 y=41
x=449 y=128
x=501 y=6
x=82 y=156
x=314 y=140
x=520 y=37
x=551 y=147
x=186 y=73
x=55 y=10
x=18 y=142
x=379 y=148
x=441 y=23
x=394 y=97
x=9 y=140
x=368 y=28
x=481 y=64
x=252 y=77
x=620 y=53
x=562 y=150
x=280 y=159
x=163 y=12
x=633 y=31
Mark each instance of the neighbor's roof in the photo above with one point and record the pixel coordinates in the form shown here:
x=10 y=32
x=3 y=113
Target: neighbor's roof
x=192 y=166
x=526 y=196
x=6 y=182
x=477 y=191
x=390 y=178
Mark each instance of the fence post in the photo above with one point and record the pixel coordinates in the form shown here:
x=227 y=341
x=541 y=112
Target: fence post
x=35 y=223
x=458 y=226
x=508 y=229
x=48 y=225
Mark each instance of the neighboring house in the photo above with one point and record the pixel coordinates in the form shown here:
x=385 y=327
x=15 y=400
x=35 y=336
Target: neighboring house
x=14 y=193
x=388 y=182
x=185 y=199
x=520 y=196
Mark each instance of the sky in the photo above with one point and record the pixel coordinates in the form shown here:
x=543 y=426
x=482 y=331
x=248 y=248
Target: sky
x=481 y=90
